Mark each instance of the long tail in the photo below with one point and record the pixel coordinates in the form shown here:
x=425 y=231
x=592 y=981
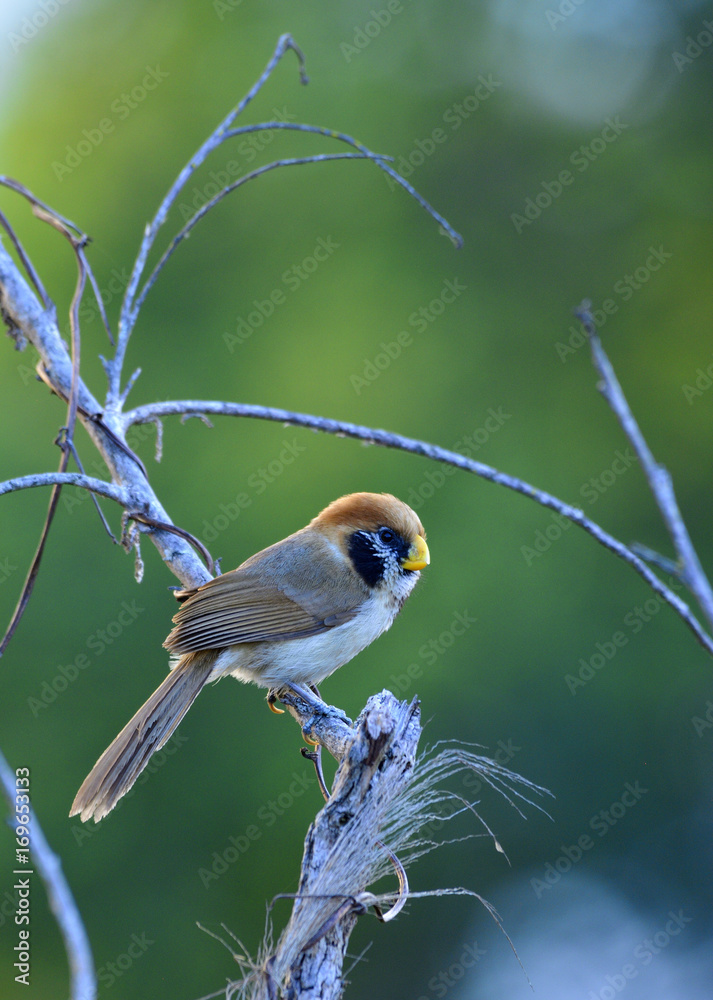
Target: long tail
x=121 y=763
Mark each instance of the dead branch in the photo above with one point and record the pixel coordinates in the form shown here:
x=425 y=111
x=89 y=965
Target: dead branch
x=81 y=964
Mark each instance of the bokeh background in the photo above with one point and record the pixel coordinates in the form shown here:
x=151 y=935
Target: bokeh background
x=484 y=106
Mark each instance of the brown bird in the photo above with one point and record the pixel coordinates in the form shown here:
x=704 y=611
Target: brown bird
x=291 y=614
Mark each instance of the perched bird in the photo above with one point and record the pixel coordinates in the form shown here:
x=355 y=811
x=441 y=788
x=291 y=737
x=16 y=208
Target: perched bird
x=291 y=614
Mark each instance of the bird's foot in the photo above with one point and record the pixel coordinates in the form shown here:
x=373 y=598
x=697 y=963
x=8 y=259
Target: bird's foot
x=271 y=699
x=311 y=697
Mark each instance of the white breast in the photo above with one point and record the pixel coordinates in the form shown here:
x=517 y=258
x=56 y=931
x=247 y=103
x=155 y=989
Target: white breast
x=310 y=660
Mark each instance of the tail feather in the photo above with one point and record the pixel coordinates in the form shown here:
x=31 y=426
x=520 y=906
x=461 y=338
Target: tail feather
x=123 y=761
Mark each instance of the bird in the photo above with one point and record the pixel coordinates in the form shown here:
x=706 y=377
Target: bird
x=291 y=614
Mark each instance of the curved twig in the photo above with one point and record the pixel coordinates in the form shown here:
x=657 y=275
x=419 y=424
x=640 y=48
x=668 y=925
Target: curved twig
x=197 y=544
x=134 y=298
x=109 y=490
x=204 y=209
x=129 y=313
x=689 y=570
x=387 y=439
x=65 y=440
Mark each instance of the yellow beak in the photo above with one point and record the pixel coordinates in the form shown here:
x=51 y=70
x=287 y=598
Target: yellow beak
x=418 y=555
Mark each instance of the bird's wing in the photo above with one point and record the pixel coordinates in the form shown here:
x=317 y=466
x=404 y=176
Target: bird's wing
x=240 y=607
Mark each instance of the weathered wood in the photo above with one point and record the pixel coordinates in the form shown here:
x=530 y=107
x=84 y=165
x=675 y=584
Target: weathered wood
x=343 y=854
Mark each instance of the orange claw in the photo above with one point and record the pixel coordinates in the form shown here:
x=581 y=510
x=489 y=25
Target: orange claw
x=271 y=699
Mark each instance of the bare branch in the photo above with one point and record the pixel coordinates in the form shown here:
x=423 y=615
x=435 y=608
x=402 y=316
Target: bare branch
x=31 y=578
x=342 y=855
x=98 y=486
x=97 y=507
x=24 y=258
x=387 y=439
x=659 y=479
x=21 y=308
x=65 y=442
x=134 y=299
x=76 y=943
x=382 y=795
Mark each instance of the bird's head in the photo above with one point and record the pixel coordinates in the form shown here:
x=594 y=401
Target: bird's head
x=382 y=537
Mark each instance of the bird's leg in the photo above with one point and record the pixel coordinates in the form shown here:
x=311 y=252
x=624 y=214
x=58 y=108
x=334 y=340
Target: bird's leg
x=313 y=702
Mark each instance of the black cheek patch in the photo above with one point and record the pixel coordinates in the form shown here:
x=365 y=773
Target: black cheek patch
x=367 y=563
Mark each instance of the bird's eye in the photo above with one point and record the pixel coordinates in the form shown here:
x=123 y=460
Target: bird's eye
x=386 y=535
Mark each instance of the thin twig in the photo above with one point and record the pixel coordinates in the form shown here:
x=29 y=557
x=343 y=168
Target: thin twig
x=204 y=209
x=36 y=202
x=68 y=229
x=66 y=442
x=134 y=298
x=386 y=439
x=381 y=161
x=92 y=417
x=25 y=260
x=181 y=532
x=659 y=479
x=100 y=303
x=100 y=512
x=656 y=559
x=129 y=313
x=76 y=943
x=31 y=578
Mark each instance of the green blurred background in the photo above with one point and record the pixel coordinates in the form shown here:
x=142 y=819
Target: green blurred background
x=616 y=93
